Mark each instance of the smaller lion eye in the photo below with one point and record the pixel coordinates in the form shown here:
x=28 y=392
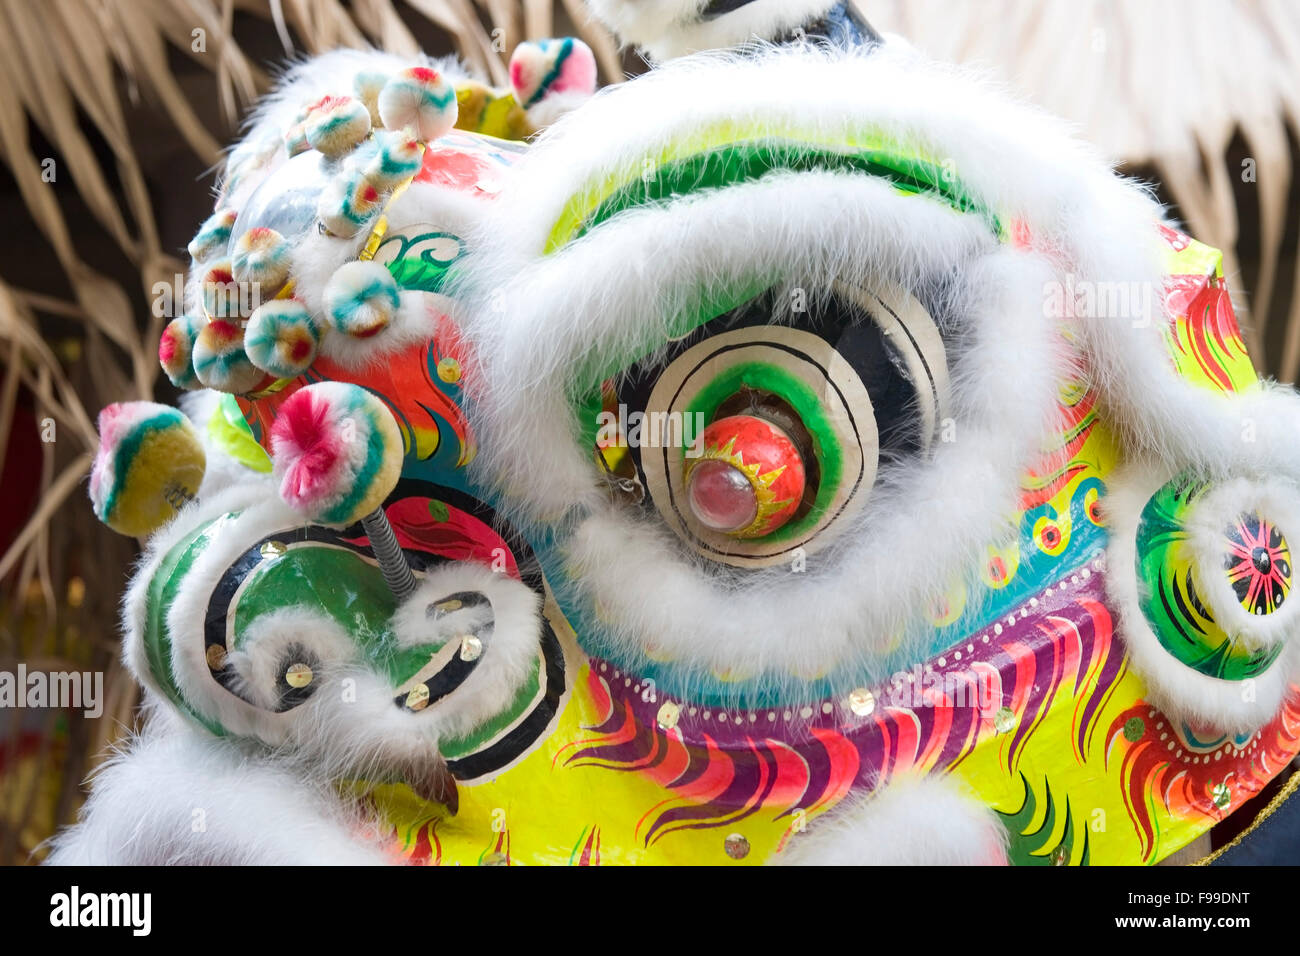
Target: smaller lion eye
x=298 y=675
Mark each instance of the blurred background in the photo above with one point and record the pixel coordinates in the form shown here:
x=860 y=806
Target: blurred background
x=113 y=117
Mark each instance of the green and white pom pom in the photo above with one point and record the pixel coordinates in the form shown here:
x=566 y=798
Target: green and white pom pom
x=347 y=203
x=261 y=257
x=336 y=124
x=397 y=157
x=421 y=100
x=281 y=338
x=176 y=347
x=213 y=236
x=361 y=298
x=220 y=361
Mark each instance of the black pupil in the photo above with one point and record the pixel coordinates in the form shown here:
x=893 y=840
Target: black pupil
x=1263 y=563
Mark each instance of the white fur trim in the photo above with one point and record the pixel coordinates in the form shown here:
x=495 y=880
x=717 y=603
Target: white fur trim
x=670 y=28
x=148 y=802
x=931 y=821
x=509 y=649
x=1178 y=690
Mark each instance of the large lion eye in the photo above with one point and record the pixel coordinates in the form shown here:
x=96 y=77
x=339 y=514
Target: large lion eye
x=753 y=439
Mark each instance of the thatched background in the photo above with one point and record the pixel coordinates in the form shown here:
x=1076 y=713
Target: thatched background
x=133 y=116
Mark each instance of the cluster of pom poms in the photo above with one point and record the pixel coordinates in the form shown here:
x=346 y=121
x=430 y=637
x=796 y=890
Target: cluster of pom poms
x=249 y=327
x=149 y=465
x=337 y=452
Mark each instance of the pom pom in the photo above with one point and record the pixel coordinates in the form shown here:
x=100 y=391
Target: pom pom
x=544 y=67
x=220 y=361
x=397 y=158
x=347 y=203
x=213 y=236
x=336 y=125
x=150 y=463
x=361 y=298
x=366 y=86
x=295 y=140
x=261 y=257
x=223 y=297
x=176 y=347
x=337 y=452
x=418 y=99
x=281 y=338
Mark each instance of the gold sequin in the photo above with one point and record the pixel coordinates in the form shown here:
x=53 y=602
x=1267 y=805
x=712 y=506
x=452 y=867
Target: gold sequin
x=272 y=549
x=470 y=648
x=447 y=606
x=1004 y=720
x=418 y=698
x=298 y=675
x=216 y=655
x=668 y=715
x=495 y=859
x=737 y=846
x=862 y=702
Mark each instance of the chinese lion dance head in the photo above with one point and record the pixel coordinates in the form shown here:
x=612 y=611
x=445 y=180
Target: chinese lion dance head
x=803 y=452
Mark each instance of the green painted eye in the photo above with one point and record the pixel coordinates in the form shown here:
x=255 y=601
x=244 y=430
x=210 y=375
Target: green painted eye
x=1188 y=611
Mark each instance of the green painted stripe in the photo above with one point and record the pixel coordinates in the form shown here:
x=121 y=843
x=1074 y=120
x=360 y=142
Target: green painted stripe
x=744 y=162
x=163 y=588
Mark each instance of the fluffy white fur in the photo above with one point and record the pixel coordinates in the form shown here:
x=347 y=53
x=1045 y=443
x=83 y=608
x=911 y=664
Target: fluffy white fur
x=927 y=821
x=509 y=647
x=1086 y=225
x=1179 y=690
x=670 y=28
x=178 y=796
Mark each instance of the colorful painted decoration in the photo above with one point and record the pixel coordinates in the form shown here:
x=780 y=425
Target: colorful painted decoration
x=149 y=465
x=281 y=338
x=361 y=299
x=1255 y=560
x=419 y=100
x=1258 y=564
x=749 y=478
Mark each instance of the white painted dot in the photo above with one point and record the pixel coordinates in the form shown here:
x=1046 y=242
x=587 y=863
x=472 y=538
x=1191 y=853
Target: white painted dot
x=827 y=708
x=707 y=715
x=771 y=715
x=997 y=628
x=943 y=662
x=805 y=712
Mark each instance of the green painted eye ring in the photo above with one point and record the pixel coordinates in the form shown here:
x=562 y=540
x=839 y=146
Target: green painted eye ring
x=1194 y=566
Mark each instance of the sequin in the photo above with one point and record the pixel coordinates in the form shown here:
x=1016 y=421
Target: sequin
x=298 y=675
x=862 y=702
x=1004 y=720
x=737 y=846
x=470 y=648
x=668 y=715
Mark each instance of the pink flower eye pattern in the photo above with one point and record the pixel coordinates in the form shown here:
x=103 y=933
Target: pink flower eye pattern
x=1258 y=564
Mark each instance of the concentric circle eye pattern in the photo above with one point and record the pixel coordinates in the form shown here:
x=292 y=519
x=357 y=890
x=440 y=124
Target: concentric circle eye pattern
x=792 y=419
